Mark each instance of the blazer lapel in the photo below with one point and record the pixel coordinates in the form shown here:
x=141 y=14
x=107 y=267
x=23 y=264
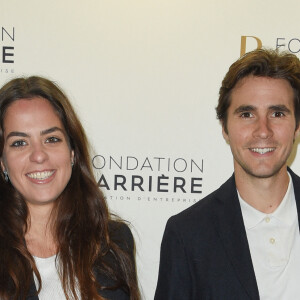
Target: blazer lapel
x=296 y=184
x=32 y=295
x=232 y=231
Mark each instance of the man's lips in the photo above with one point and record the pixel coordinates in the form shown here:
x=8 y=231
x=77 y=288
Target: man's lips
x=262 y=150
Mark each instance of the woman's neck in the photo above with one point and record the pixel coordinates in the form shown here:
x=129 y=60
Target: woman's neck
x=39 y=236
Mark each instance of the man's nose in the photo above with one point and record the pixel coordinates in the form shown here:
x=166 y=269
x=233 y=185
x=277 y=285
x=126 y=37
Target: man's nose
x=263 y=128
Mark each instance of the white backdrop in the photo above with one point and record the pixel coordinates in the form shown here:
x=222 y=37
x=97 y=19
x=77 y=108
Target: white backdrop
x=144 y=79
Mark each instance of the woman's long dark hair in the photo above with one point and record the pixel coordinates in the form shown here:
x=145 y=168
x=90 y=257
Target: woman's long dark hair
x=80 y=215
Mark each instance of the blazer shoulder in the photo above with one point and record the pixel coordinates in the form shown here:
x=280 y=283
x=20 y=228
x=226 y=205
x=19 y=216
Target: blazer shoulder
x=115 y=281
x=121 y=235
x=204 y=210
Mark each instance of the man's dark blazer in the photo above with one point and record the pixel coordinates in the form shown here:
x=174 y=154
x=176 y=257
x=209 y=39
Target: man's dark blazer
x=205 y=252
x=122 y=236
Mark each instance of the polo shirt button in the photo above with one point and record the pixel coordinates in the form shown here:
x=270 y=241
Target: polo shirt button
x=272 y=240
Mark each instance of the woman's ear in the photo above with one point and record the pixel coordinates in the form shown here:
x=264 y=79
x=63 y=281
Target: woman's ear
x=2 y=165
x=72 y=158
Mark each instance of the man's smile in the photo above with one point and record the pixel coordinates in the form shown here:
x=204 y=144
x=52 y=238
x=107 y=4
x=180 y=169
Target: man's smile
x=262 y=150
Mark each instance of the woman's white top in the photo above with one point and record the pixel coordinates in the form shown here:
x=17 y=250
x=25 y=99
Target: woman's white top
x=51 y=284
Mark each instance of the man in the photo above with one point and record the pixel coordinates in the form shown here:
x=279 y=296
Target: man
x=242 y=241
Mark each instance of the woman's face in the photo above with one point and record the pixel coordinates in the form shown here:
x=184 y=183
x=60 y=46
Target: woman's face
x=36 y=152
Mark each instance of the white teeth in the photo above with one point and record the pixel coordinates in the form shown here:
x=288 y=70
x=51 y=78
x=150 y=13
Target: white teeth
x=262 y=150
x=40 y=175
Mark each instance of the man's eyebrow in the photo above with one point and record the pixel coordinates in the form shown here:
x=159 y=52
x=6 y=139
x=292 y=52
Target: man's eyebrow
x=52 y=129
x=279 y=108
x=244 y=108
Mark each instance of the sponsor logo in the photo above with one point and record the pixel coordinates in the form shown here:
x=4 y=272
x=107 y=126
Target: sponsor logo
x=154 y=178
x=250 y=42
x=7 y=49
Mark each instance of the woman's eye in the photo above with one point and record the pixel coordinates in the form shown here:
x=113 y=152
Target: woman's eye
x=18 y=144
x=53 y=139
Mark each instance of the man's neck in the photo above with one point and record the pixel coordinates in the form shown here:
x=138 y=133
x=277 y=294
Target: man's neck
x=264 y=194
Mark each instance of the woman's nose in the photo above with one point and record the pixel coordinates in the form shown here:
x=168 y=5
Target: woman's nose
x=38 y=154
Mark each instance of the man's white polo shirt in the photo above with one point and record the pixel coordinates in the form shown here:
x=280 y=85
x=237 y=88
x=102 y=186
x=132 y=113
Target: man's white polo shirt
x=274 y=243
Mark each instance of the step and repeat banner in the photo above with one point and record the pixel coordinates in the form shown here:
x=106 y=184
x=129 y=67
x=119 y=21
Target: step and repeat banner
x=144 y=76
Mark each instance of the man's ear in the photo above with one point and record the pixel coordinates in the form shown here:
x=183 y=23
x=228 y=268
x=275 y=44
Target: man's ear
x=225 y=134
x=297 y=132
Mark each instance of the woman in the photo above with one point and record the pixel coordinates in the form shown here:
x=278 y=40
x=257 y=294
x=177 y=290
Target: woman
x=57 y=238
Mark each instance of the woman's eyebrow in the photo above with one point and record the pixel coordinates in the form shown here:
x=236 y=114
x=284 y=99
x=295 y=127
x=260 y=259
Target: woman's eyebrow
x=52 y=129
x=43 y=132
x=17 y=133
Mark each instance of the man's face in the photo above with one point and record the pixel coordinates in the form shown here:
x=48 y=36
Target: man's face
x=261 y=126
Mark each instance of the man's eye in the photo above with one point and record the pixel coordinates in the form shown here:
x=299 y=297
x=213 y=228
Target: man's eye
x=278 y=114
x=246 y=115
x=17 y=144
x=53 y=139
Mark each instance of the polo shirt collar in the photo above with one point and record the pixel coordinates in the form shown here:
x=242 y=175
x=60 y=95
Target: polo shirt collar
x=283 y=213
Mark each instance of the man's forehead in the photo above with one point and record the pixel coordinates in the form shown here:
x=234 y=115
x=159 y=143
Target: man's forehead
x=259 y=80
x=254 y=90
